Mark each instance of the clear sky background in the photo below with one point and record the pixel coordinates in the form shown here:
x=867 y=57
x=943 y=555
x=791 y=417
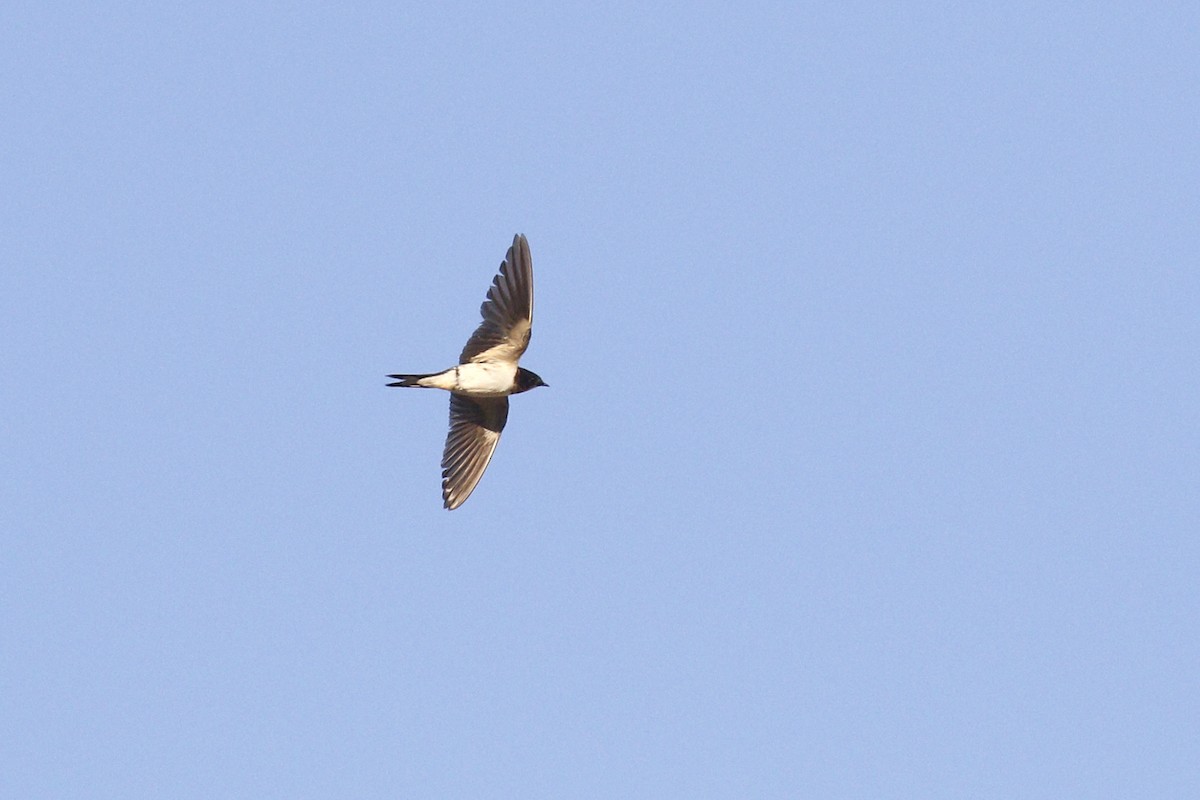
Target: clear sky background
x=870 y=465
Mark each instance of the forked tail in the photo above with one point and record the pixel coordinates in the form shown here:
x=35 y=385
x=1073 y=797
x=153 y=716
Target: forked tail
x=410 y=380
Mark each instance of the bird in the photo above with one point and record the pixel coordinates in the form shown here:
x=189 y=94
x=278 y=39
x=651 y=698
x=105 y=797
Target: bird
x=486 y=374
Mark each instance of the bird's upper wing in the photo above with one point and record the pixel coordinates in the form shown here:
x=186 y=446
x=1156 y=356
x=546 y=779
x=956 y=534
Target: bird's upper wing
x=475 y=425
x=507 y=312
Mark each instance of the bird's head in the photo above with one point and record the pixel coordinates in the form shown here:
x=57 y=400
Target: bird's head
x=527 y=380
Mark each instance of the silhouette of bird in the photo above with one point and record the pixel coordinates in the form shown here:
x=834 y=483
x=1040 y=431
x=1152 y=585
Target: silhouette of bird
x=486 y=374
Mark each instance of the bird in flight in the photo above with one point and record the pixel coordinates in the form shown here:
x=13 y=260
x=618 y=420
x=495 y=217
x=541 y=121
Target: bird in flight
x=486 y=374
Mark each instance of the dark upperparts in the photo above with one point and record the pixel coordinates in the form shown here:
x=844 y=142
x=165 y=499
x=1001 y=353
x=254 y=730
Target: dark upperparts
x=527 y=380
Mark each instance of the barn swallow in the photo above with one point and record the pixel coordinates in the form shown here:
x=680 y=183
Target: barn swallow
x=486 y=374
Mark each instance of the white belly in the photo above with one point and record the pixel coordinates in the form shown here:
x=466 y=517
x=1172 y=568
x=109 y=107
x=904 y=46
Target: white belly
x=484 y=378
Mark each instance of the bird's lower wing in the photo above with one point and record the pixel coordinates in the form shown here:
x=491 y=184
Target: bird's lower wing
x=475 y=426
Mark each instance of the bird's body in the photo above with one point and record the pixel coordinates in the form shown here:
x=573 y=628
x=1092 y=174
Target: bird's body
x=474 y=379
x=487 y=373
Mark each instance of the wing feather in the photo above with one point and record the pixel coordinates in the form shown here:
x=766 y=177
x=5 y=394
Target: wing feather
x=507 y=312
x=475 y=426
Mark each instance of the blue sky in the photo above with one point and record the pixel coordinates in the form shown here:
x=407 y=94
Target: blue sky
x=869 y=466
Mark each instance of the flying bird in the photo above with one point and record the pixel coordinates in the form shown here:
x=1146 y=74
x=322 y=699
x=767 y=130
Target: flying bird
x=486 y=374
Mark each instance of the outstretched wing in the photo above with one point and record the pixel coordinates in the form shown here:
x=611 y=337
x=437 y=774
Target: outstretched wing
x=508 y=311
x=475 y=425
